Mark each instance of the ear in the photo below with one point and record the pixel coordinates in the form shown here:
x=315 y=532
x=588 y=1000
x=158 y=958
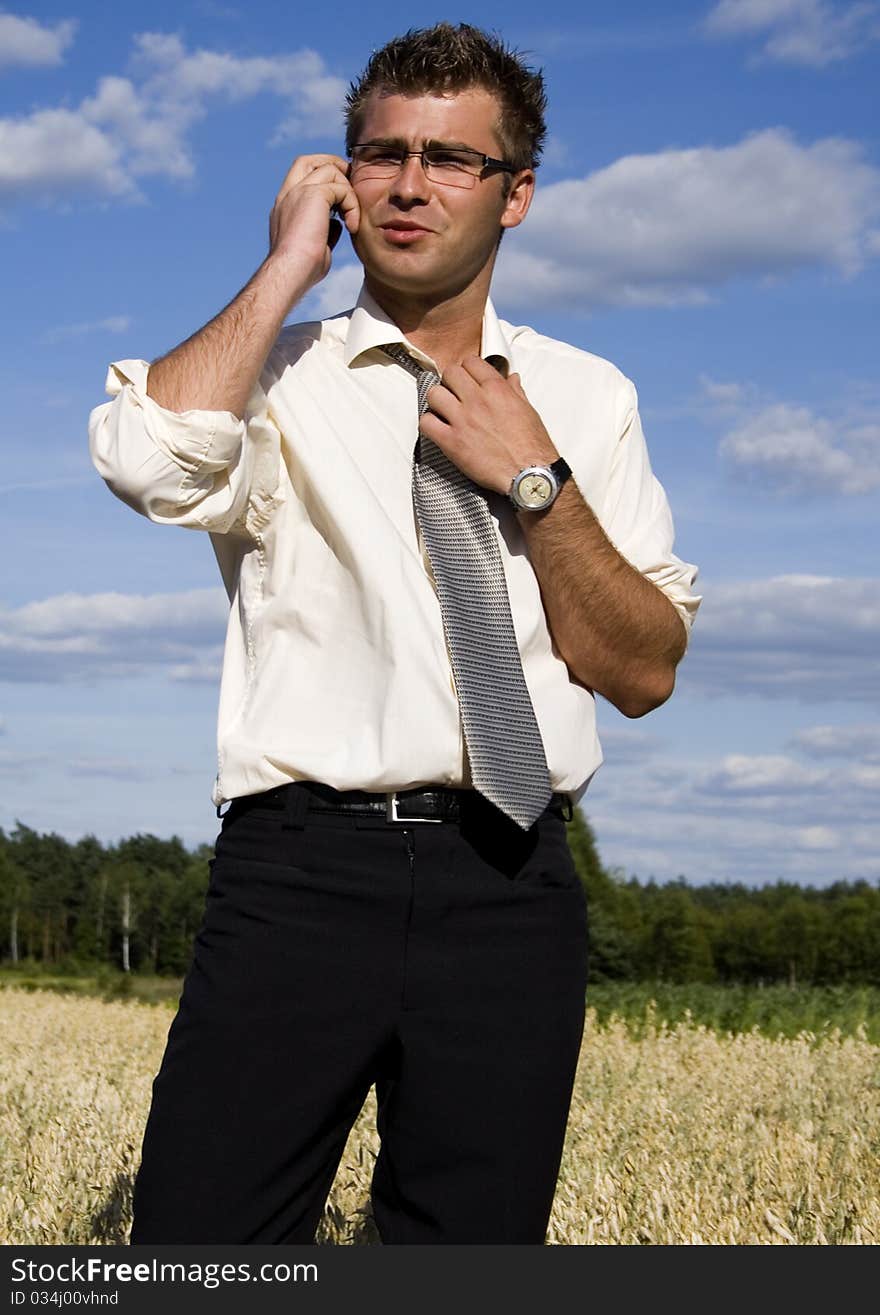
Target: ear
x=519 y=198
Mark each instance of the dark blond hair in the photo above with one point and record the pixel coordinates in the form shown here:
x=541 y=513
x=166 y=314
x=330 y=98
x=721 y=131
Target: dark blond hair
x=455 y=58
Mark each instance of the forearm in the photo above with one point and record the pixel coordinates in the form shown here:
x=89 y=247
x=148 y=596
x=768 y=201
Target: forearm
x=216 y=368
x=616 y=631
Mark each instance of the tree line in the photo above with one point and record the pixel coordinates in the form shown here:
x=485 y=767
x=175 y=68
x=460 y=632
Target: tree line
x=137 y=906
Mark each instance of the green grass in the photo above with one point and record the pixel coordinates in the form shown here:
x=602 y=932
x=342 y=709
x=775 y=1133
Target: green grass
x=107 y=983
x=774 y=1010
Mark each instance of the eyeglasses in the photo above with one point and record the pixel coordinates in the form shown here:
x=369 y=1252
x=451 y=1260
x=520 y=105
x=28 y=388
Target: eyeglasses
x=442 y=164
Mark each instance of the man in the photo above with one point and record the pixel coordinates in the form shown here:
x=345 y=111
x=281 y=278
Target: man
x=407 y=703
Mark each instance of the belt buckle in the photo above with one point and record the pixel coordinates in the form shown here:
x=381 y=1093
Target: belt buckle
x=391 y=811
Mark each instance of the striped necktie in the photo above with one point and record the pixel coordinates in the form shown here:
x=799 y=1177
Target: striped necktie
x=504 y=745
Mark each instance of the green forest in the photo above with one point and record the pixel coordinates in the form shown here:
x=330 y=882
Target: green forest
x=136 y=906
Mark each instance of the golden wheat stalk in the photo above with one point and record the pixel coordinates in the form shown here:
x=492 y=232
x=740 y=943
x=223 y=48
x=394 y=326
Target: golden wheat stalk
x=684 y=1136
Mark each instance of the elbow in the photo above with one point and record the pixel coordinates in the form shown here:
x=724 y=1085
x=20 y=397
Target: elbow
x=634 y=684
x=642 y=697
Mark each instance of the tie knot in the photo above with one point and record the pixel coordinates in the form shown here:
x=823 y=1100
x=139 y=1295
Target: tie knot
x=398 y=352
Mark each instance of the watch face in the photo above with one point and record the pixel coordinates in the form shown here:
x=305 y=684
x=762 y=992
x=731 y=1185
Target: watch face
x=534 y=490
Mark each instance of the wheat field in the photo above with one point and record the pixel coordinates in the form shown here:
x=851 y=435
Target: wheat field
x=682 y=1137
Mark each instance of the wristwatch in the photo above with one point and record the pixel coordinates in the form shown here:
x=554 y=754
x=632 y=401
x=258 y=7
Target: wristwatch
x=536 y=487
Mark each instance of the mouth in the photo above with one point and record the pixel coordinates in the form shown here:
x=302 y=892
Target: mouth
x=402 y=232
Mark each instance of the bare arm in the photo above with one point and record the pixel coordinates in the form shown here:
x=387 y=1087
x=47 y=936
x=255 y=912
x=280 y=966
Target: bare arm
x=616 y=631
x=216 y=368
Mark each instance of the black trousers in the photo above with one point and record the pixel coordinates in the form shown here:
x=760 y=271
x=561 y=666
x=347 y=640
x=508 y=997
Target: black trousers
x=444 y=962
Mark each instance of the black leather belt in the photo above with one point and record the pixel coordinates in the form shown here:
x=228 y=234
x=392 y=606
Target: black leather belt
x=433 y=803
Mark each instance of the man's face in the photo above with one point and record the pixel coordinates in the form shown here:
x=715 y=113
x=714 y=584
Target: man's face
x=422 y=238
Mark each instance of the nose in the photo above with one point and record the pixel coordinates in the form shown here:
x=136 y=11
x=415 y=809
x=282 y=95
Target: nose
x=410 y=183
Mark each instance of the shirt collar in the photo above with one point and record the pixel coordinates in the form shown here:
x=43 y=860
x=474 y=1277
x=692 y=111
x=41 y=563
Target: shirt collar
x=370 y=327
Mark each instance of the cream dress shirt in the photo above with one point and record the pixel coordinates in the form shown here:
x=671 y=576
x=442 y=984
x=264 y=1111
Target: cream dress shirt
x=335 y=666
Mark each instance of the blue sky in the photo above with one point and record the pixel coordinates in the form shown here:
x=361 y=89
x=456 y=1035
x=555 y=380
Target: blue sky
x=707 y=218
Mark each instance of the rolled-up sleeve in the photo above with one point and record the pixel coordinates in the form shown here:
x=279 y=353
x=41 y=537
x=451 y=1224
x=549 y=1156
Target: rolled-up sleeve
x=636 y=516
x=204 y=470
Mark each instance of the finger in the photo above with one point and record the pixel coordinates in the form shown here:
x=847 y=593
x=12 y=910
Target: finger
x=514 y=382
x=443 y=402
x=458 y=381
x=320 y=173
x=479 y=369
x=325 y=172
x=436 y=429
x=332 y=185
x=341 y=194
x=303 y=165
x=349 y=209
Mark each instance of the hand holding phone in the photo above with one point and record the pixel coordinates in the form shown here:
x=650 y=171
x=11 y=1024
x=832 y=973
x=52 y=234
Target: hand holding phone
x=315 y=203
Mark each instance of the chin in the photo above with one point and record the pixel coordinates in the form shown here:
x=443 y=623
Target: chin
x=407 y=271
x=384 y=261
x=402 y=273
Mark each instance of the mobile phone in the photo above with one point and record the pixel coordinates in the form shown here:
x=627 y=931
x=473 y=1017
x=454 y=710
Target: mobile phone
x=335 y=227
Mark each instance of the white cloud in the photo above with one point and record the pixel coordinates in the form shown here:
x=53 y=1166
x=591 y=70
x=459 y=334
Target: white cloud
x=204 y=669
x=26 y=43
x=555 y=154
x=57 y=153
x=628 y=744
x=787 y=793
x=861 y=741
x=786 y=448
x=100 y=613
x=15 y=766
x=150 y=134
x=725 y=396
x=804 y=637
x=187 y=81
x=65 y=332
x=726 y=844
x=750 y=817
x=670 y=228
x=76 y=637
x=337 y=292
x=744 y=774
x=127 y=769
x=119 y=769
x=789 y=449
x=806 y=32
x=38 y=485
x=816 y=837
x=133 y=127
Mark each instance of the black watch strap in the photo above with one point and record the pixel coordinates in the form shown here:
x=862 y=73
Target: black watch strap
x=561 y=469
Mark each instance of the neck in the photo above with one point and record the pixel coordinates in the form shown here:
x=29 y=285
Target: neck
x=446 y=330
